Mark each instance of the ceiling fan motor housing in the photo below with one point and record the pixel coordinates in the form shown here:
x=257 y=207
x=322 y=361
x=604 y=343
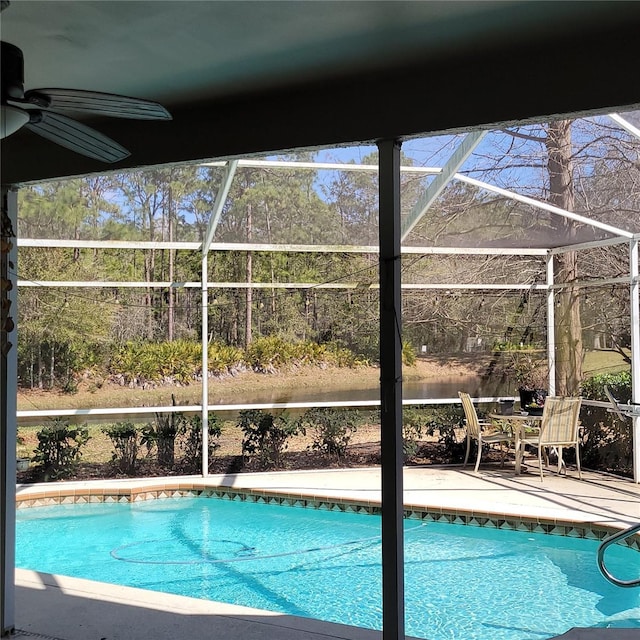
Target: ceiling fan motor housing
x=38 y=111
x=12 y=72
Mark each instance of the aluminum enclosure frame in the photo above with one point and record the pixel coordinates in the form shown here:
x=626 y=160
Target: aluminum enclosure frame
x=391 y=386
x=442 y=176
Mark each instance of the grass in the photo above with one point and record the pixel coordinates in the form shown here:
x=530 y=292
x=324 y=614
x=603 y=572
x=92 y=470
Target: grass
x=596 y=362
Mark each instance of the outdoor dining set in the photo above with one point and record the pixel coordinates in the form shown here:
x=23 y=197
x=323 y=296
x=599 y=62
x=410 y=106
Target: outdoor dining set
x=555 y=428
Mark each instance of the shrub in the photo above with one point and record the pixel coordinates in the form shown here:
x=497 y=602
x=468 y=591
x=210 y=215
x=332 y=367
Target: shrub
x=133 y=361
x=162 y=433
x=338 y=356
x=413 y=422
x=508 y=345
x=181 y=360
x=178 y=359
x=607 y=440
x=271 y=353
x=221 y=358
x=619 y=384
x=332 y=429
x=265 y=436
x=125 y=439
x=447 y=421
x=408 y=354
x=191 y=441
x=59 y=449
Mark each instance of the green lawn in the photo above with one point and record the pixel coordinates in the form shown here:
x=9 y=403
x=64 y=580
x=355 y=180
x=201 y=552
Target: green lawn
x=596 y=362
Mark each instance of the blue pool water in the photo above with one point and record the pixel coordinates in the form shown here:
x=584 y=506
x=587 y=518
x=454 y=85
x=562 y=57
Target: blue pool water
x=462 y=582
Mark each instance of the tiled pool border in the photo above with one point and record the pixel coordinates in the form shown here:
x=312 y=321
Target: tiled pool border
x=130 y=494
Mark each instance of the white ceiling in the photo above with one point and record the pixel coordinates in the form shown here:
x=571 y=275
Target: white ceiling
x=242 y=77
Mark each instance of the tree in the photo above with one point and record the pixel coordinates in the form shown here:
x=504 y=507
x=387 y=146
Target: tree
x=607 y=185
x=273 y=206
x=157 y=203
x=548 y=161
x=589 y=166
x=568 y=323
x=61 y=332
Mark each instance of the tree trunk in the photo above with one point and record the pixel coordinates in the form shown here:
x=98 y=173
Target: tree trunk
x=249 y=298
x=52 y=366
x=76 y=250
x=40 y=366
x=149 y=273
x=234 y=321
x=305 y=325
x=315 y=311
x=171 y=296
x=568 y=322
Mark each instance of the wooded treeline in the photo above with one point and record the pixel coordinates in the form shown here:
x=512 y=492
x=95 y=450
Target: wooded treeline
x=588 y=166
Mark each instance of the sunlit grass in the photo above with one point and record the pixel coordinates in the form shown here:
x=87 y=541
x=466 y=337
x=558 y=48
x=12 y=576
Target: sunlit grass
x=596 y=362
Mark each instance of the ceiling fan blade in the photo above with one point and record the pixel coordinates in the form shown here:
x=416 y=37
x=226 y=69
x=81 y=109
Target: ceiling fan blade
x=75 y=136
x=106 y=104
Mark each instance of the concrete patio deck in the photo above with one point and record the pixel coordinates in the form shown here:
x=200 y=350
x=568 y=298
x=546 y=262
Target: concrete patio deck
x=55 y=607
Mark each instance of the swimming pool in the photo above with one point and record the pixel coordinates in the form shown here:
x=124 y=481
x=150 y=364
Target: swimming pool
x=465 y=582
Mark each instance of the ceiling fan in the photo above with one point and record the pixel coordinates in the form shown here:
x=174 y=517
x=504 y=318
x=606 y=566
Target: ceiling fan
x=38 y=110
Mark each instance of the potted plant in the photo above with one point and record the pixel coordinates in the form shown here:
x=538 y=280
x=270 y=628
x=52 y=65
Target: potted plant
x=534 y=408
x=530 y=373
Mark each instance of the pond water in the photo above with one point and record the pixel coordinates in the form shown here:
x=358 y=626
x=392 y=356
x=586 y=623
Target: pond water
x=440 y=387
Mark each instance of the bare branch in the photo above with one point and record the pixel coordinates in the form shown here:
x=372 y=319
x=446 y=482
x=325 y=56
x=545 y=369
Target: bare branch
x=524 y=136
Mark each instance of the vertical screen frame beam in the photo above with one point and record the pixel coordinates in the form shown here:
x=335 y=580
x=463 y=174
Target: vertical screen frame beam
x=393 y=623
x=8 y=399
x=204 y=337
x=551 y=325
x=634 y=292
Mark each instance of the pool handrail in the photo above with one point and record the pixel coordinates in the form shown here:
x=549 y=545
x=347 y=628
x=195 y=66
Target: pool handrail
x=612 y=539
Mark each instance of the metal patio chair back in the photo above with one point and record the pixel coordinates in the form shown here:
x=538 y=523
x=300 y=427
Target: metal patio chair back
x=476 y=430
x=559 y=428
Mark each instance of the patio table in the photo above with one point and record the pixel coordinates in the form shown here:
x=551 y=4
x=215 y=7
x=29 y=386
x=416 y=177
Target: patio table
x=518 y=423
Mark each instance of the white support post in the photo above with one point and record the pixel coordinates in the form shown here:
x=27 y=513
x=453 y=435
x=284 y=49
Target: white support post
x=391 y=393
x=551 y=326
x=8 y=397
x=545 y=206
x=625 y=124
x=205 y=364
x=635 y=352
x=437 y=185
x=221 y=198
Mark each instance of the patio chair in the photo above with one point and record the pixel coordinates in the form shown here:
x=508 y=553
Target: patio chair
x=475 y=427
x=558 y=429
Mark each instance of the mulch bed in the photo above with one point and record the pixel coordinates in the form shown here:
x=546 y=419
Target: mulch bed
x=358 y=455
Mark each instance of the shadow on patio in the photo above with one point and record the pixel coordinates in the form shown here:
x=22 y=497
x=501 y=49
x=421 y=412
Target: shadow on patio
x=62 y=608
